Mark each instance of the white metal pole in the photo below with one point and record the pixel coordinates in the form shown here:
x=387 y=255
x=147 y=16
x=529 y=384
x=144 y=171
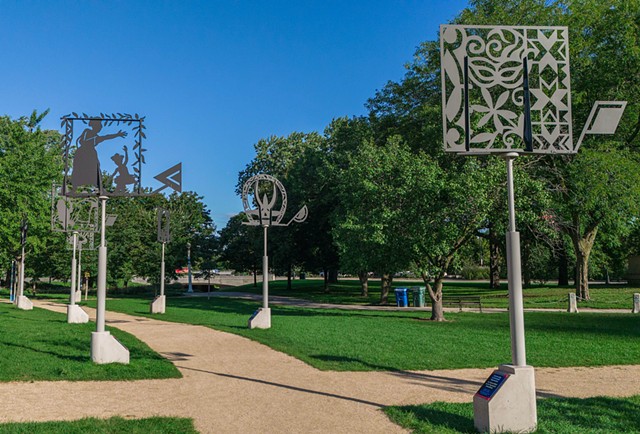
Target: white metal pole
x=74 y=266
x=162 y=272
x=79 y=274
x=189 y=267
x=102 y=270
x=21 y=289
x=265 y=273
x=514 y=275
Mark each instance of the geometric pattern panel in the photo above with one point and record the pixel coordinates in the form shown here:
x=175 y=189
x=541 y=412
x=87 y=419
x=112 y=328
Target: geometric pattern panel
x=505 y=89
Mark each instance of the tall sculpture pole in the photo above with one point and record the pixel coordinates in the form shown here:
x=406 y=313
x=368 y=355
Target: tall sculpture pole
x=79 y=274
x=74 y=266
x=158 y=305
x=12 y=289
x=266 y=214
x=102 y=268
x=23 y=302
x=487 y=109
x=190 y=288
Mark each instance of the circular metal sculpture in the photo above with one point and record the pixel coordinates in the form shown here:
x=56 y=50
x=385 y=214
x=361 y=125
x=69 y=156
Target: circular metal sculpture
x=269 y=197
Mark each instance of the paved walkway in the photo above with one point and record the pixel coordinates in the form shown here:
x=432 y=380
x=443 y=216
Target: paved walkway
x=232 y=385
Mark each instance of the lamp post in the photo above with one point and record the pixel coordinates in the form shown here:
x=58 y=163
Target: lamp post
x=190 y=289
x=23 y=302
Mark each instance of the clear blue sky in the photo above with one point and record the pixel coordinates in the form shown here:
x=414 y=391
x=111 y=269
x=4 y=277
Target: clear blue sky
x=211 y=77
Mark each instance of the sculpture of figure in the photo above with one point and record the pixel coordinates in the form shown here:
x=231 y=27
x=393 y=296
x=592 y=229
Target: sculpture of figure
x=124 y=178
x=86 y=166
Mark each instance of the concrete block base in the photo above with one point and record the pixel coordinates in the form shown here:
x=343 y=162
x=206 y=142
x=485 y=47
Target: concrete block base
x=24 y=303
x=75 y=314
x=158 y=304
x=106 y=349
x=573 y=303
x=78 y=297
x=636 y=303
x=261 y=319
x=511 y=407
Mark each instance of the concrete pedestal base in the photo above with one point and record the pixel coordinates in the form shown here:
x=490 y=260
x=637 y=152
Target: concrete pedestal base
x=106 y=349
x=24 y=303
x=78 y=297
x=636 y=303
x=261 y=319
x=158 y=304
x=75 y=314
x=511 y=407
x=573 y=303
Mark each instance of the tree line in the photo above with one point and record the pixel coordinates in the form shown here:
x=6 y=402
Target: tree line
x=384 y=197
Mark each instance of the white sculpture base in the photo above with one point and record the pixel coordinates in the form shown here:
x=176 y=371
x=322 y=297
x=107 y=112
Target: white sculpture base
x=78 y=296
x=24 y=303
x=261 y=319
x=106 y=349
x=573 y=303
x=509 y=407
x=158 y=304
x=636 y=303
x=75 y=315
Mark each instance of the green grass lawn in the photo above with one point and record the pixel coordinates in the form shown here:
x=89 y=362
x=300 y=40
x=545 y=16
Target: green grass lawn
x=537 y=296
x=40 y=345
x=374 y=340
x=555 y=415
x=114 y=425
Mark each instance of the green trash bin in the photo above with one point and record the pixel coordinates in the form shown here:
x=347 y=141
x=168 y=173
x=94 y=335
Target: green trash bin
x=418 y=295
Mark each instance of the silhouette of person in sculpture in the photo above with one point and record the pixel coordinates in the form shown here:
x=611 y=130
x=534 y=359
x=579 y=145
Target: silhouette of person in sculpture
x=86 y=166
x=124 y=178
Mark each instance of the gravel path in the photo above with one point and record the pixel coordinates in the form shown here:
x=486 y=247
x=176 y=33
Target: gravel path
x=232 y=384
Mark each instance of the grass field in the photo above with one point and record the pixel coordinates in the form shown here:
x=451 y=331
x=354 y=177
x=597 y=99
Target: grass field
x=563 y=415
x=114 y=425
x=537 y=296
x=374 y=340
x=40 y=345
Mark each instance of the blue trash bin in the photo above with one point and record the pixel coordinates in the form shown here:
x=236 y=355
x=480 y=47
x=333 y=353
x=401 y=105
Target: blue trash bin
x=401 y=297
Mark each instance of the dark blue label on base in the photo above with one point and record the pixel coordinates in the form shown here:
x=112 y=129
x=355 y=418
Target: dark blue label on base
x=491 y=386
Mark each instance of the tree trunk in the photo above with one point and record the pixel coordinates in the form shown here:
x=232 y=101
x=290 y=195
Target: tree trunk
x=583 y=246
x=494 y=263
x=333 y=275
x=435 y=294
x=363 y=276
x=255 y=277
x=325 y=273
x=289 y=271
x=563 y=265
x=386 y=281
x=526 y=267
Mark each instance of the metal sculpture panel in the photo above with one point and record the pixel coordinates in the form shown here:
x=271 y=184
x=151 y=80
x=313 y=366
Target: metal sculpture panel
x=164 y=227
x=270 y=197
x=85 y=154
x=506 y=89
x=70 y=214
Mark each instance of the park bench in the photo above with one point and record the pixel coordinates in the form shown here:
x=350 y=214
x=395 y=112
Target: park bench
x=463 y=301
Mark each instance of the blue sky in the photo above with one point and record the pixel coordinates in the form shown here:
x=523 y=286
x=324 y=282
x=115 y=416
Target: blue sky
x=211 y=77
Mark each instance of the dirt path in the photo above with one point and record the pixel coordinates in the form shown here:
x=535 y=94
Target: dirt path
x=232 y=384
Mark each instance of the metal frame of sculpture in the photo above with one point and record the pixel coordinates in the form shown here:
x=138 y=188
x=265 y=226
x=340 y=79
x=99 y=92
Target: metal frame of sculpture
x=266 y=214
x=507 y=91
x=83 y=178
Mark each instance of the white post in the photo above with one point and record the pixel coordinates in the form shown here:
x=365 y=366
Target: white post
x=74 y=266
x=514 y=275
x=162 y=272
x=102 y=269
x=104 y=347
x=79 y=274
x=21 y=288
x=265 y=273
x=189 y=267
